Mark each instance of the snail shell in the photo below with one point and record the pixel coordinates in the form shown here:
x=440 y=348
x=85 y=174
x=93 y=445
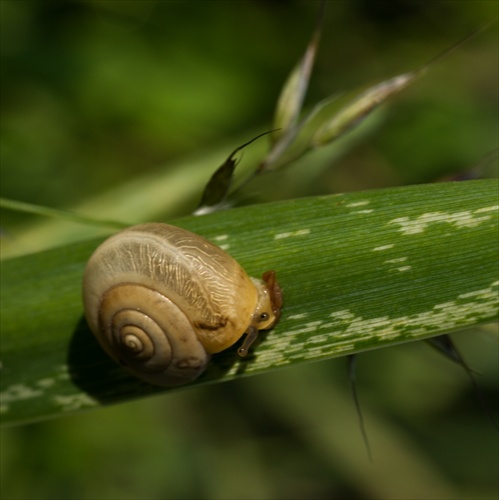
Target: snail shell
x=160 y=300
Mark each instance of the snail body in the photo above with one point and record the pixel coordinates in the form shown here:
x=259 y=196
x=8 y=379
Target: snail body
x=160 y=300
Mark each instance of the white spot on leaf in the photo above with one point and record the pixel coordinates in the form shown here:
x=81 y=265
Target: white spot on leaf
x=17 y=392
x=358 y=203
x=298 y=316
x=362 y=211
x=384 y=247
x=493 y=208
x=402 y=269
x=462 y=219
x=394 y=261
x=74 y=402
x=300 y=232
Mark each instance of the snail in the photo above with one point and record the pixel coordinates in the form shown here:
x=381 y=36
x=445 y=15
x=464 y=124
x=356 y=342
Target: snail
x=161 y=300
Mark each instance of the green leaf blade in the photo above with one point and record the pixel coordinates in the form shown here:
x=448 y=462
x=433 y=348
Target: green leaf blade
x=359 y=271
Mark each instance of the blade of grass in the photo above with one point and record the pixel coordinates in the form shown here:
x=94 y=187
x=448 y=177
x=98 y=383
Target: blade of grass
x=165 y=191
x=290 y=101
x=33 y=209
x=359 y=271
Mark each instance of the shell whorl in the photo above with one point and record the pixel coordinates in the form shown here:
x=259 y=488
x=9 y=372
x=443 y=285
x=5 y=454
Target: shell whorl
x=154 y=341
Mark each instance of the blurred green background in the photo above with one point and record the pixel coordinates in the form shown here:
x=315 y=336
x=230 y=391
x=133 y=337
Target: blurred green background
x=104 y=101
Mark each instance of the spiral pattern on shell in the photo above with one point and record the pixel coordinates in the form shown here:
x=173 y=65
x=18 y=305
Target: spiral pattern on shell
x=141 y=339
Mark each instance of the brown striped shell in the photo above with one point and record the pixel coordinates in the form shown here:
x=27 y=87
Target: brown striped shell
x=161 y=300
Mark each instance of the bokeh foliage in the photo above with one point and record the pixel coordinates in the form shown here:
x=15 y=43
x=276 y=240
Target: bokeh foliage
x=100 y=98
